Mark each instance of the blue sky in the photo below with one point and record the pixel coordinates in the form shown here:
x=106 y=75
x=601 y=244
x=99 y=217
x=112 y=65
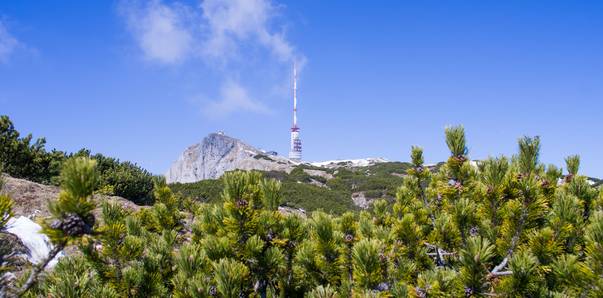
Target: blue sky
x=142 y=80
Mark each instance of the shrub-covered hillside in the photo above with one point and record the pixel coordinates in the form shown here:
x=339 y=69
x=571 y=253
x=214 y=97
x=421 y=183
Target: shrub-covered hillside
x=313 y=188
x=510 y=227
x=20 y=157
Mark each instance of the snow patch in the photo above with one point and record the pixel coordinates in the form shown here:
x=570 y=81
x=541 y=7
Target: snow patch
x=362 y=162
x=30 y=234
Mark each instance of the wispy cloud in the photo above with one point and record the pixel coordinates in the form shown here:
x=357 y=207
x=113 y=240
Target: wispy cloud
x=233 y=97
x=233 y=22
x=161 y=31
x=219 y=33
x=8 y=43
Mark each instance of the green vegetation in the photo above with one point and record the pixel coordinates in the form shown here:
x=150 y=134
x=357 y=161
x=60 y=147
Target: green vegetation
x=123 y=179
x=207 y=191
x=7 y=257
x=311 y=192
x=21 y=158
x=503 y=229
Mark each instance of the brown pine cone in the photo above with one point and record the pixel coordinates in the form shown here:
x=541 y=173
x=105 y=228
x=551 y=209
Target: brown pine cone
x=213 y=291
x=74 y=225
x=242 y=203
x=349 y=238
x=460 y=158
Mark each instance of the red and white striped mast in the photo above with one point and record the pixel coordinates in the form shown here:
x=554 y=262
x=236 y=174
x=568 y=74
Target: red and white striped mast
x=295 y=152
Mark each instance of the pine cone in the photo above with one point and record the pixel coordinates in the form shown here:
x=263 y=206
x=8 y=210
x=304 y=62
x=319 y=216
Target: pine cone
x=291 y=244
x=382 y=287
x=73 y=225
x=468 y=292
x=460 y=158
x=213 y=291
x=349 y=238
x=490 y=189
x=242 y=203
x=420 y=292
x=269 y=235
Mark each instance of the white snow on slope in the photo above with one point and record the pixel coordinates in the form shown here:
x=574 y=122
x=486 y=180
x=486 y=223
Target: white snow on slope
x=30 y=234
x=362 y=162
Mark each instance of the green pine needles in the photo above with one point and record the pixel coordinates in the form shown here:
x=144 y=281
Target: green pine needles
x=501 y=227
x=455 y=139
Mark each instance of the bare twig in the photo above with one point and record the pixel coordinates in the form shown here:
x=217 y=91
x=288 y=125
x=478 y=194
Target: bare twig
x=439 y=250
x=501 y=273
x=37 y=269
x=500 y=266
x=439 y=253
x=514 y=240
x=431 y=254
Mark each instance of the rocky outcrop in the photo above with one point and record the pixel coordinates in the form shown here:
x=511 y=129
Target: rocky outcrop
x=13 y=248
x=289 y=210
x=22 y=239
x=217 y=154
x=31 y=199
x=361 y=200
x=319 y=173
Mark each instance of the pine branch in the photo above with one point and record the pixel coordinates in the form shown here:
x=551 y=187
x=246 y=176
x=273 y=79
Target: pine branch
x=438 y=253
x=439 y=259
x=500 y=266
x=501 y=273
x=37 y=269
x=514 y=240
x=431 y=254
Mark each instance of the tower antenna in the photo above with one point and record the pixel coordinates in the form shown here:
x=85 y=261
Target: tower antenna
x=295 y=152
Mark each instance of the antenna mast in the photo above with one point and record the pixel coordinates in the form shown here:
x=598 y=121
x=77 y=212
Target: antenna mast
x=294 y=96
x=295 y=153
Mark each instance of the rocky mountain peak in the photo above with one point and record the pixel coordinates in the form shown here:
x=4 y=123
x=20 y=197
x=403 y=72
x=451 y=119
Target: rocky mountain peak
x=218 y=153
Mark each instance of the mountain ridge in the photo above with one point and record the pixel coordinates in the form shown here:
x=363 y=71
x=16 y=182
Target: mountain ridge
x=218 y=153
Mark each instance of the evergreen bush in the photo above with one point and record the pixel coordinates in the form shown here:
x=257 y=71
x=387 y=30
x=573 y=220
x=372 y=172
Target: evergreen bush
x=506 y=227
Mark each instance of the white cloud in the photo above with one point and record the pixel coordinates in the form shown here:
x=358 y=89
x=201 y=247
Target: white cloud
x=237 y=21
x=8 y=44
x=233 y=98
x=224 y=34
x=161 y=31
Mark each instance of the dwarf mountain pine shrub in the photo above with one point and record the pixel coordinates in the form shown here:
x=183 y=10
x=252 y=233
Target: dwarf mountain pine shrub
x=502 y=227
